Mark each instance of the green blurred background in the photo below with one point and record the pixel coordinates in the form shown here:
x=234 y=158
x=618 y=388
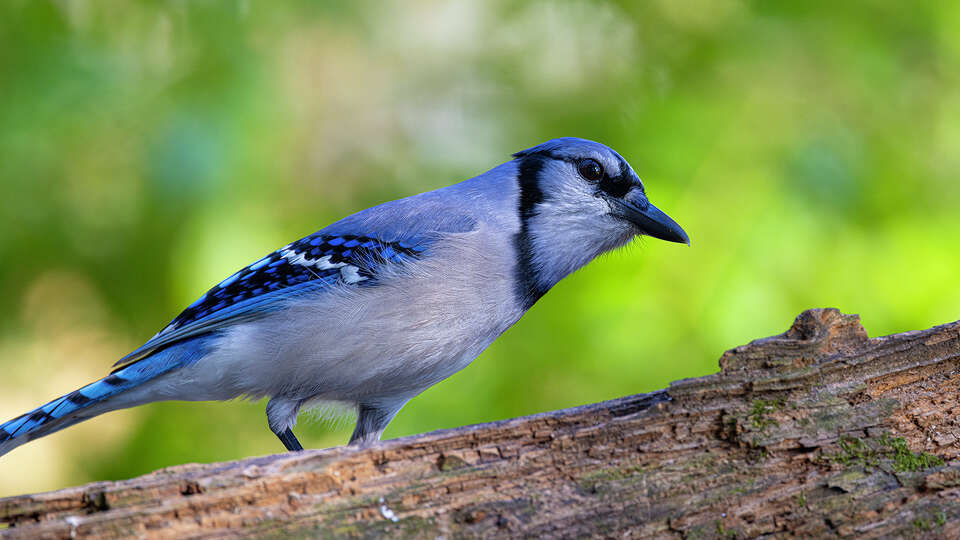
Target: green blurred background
x=149 y=149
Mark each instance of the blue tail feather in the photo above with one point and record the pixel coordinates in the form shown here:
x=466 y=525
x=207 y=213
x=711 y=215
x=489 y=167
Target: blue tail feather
x=69 y=409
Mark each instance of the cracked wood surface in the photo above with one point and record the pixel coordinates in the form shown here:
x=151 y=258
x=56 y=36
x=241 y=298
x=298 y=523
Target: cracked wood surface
x=818 y=432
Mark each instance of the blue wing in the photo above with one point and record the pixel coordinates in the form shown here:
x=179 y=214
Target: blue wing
x=320 y=260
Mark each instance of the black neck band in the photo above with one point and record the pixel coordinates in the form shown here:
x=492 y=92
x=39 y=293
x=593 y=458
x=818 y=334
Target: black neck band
x=528 y=287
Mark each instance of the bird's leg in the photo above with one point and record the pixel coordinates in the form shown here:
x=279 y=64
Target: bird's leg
x=372 y=419
x=290 y=440
x=282 y=415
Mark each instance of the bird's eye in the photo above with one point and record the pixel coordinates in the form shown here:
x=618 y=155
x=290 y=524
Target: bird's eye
x=590 y=169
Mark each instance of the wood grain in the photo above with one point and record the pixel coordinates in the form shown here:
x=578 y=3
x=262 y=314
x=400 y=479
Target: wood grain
x=818 y=432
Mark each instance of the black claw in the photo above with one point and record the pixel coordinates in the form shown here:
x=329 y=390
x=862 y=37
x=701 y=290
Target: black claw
x=290 y=441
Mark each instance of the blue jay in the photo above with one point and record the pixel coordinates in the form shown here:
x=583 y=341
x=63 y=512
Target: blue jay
x=379 y=306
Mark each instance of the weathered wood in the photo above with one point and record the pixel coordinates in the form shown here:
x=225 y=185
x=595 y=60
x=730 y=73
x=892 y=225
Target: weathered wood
x=816 y=432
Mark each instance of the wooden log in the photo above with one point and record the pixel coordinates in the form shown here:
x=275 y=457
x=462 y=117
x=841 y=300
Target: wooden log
x=819 y=431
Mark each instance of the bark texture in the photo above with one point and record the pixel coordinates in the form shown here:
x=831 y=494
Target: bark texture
x=819 y=432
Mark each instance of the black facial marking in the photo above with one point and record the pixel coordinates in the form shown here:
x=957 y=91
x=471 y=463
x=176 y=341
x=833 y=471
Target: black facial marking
x=528 y=289
x=530 y=192
x=619 y=185
x=613 y=185
x=616 y=186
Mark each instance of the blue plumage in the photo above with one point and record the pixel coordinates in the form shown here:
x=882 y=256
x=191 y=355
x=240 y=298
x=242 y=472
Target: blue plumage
x=298 y=268
x=58 y=413
x=379 y=306
x=317 y=257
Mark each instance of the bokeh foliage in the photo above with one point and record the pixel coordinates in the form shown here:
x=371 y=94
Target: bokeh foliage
x=148 y=149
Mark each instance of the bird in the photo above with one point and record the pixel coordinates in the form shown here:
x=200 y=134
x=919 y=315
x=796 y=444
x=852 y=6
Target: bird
x=373 y=309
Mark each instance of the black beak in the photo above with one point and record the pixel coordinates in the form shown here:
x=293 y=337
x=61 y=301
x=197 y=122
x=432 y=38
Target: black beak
x=635 y=208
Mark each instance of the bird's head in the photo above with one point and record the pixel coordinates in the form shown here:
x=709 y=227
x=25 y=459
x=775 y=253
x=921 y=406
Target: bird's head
x=578 y=199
